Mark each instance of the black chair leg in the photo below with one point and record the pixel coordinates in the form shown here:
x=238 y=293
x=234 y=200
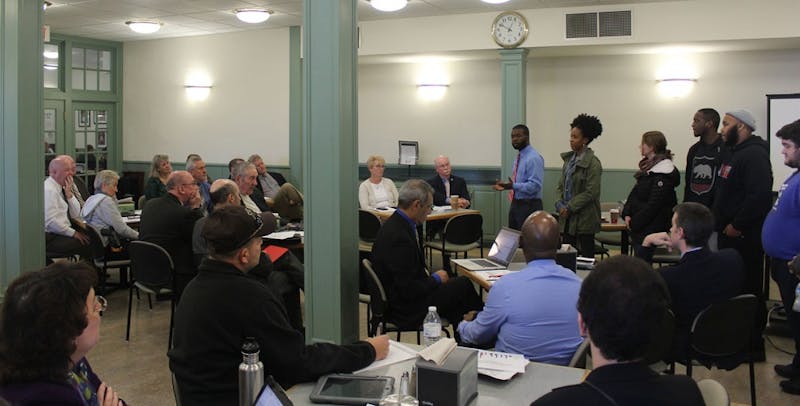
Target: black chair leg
x=150 y=301
x=418 y=341
x=171 y=323
x=398 y=336
x=752 y=384
x=130 y=301
x=689 y=367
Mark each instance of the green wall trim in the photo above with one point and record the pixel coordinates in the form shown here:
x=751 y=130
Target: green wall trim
x=295 y=107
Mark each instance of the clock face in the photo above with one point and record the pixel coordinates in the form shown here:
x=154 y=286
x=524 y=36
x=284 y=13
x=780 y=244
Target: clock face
x=509 y=29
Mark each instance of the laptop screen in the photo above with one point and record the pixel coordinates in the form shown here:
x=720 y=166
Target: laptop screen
x=505 y=245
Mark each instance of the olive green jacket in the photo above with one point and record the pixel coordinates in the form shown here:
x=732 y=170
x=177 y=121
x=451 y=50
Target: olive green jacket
x=584 y=207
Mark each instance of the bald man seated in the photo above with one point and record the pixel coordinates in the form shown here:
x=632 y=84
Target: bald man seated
x=169 y=221
x=531 y=312
x=62 y=212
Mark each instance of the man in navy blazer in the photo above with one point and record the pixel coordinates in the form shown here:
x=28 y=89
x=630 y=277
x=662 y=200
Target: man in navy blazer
x=701 y=277
x=445 y=184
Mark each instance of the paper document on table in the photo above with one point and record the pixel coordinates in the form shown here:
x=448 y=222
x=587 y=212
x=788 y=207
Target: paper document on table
x=438 y=351
x=397 y=353
x=284 y=235
x=439 y=209
x=500 y=365
x=492 y=275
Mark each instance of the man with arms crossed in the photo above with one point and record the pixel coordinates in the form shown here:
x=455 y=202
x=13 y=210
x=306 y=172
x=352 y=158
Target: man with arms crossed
x=531 y=312
x=60 y=206
x=701 y=277
x=526 y=179
x=222 y=306
x=620 y=307
x=782 y=243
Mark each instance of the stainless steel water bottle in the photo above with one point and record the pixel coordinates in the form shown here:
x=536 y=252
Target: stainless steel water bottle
x=251 y=373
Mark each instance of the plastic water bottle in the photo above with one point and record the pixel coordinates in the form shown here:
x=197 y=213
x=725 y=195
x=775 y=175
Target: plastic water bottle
x=796 y=306
x=251 y=373
x=431 y=327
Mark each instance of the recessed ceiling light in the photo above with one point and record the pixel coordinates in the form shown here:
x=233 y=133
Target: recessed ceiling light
x=388 y=5
x=253 y=15
x=143 y=26
x=495 y=1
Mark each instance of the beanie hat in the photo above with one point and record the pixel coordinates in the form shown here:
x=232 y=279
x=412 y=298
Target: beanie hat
x=744 y=116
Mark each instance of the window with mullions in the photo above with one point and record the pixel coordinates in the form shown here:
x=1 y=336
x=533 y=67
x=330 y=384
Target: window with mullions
x=91 y=69
x=51 y=66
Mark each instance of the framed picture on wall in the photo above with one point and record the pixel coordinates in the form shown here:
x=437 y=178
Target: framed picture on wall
x=101 y=139
x=100 y=117
x=85 y=118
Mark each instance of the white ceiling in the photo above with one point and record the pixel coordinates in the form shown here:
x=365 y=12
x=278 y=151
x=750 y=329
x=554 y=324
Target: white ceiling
x=105 y=19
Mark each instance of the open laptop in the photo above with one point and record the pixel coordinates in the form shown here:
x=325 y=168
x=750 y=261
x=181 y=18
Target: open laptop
x=500 y=255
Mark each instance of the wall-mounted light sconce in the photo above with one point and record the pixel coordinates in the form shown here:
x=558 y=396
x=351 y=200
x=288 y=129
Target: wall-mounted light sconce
x=45 y=5
x=432 y=91
x=675 y=87
x=252 y=15
x=197 y=92
x=388 y=5
x=495 y=1
x=143 y=26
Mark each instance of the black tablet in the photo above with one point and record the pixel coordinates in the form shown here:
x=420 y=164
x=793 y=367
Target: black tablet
x=272 y=394
x=348 y=389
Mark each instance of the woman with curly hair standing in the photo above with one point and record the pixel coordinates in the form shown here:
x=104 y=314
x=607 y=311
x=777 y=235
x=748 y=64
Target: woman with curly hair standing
x=49 y=321
x=578 y=206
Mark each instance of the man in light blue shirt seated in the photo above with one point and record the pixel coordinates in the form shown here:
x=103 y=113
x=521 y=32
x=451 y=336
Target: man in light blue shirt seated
x=531 y=312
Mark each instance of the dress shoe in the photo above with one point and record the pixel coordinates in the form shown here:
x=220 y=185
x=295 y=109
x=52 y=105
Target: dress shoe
x=791 y=386
x=787 y=371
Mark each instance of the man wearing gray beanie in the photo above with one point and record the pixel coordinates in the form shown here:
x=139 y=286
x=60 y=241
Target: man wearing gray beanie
x=743 y=200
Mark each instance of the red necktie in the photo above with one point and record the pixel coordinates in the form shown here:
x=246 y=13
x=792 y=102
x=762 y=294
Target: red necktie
x=513 y=179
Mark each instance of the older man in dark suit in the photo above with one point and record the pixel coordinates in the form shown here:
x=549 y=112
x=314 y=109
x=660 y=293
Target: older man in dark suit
x=400 y=265
x=701 y=277
x=445 y=184
x=169 y=220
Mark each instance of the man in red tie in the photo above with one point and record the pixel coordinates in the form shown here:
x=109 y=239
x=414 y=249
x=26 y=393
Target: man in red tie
x=526 y=178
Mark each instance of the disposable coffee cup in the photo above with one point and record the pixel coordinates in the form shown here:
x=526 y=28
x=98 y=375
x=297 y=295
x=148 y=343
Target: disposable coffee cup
x=453 y=202
x=614 y=215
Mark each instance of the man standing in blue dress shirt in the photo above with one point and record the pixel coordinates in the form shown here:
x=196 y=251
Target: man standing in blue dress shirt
x=531 y=312
x=525 y=182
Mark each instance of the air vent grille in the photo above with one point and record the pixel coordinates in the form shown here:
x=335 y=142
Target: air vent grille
x=599 y=24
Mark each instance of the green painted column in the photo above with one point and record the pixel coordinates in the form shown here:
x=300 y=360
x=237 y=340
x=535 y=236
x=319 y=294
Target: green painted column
x=513 y=63
x=21 y=189
x=330 y=170
x=296 y=107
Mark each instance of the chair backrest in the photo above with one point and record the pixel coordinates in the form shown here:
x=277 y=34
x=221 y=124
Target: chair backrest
x=464 y=229
x=141 y=202
x=661 y=340
x=714 y=394
x=98 y=249
x=724 y=328
x=579 y=358
x=377 y=294
x=151 y=265
x=368 y=225
x=606 y=206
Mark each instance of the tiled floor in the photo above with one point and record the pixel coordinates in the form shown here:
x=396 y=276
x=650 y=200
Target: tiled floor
x=138 y=370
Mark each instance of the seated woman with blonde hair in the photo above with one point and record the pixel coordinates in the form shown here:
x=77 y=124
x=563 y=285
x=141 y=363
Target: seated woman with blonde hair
x=159 y=173
x=49 y=321
x=377 y=191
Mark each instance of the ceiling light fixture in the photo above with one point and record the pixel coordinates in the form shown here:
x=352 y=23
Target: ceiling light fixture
x=253 y=15
x=143 y=26
x=388 y=5
x=495 y=1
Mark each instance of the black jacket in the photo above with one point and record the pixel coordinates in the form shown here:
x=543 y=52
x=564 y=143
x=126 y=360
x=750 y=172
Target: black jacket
x=702 y=171
x=219 y=308
x=400 y=266
x=168 y=223
x=744 y=196
x=458 y=186
x=651 y=200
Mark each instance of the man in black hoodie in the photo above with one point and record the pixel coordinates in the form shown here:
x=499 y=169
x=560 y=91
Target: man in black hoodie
x=743 y=200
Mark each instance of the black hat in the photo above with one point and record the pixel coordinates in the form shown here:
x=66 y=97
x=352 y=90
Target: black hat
x=231 y=227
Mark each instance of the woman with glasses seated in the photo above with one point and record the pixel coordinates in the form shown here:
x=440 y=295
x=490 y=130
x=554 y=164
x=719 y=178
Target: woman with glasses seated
x=49 y=321
x=377 y=191
x=101 y=210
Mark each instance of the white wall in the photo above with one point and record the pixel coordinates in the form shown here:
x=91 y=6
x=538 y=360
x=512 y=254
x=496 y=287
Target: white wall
x=246 y=112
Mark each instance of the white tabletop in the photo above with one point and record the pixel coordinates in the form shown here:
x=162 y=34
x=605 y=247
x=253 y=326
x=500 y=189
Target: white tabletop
x=522 y=389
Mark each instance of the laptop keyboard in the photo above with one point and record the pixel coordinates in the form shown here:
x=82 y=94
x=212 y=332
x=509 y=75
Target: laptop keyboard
x=483 y=262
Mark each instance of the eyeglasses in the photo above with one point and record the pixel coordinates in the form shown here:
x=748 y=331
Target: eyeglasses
x=190 y=184
x=257 y=223
x=100 y=304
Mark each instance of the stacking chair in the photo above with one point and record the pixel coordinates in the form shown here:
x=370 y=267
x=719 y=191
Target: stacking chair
x=714 y=394
x=104 y=259
x=152 y=272
x=461 y=234
x=581 y=356
x=662 y=256
x=368 y=226
x=140 y=203
x=379 y=305
x=721 y=333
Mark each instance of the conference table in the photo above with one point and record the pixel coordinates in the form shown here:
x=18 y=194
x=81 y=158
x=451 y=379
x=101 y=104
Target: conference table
x=620 y=227
x=439 y=213
x=522 y=389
